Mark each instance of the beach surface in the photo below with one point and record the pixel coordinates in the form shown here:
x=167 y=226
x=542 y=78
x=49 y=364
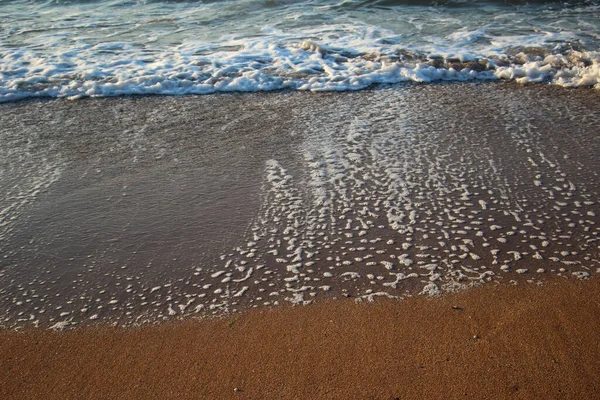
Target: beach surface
x=143 y=209
x=417 y=241
x=493 y=342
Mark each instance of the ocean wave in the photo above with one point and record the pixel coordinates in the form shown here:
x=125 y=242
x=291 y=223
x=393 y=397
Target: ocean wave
x=340 y=4
x=110 y=48
x=303 y=66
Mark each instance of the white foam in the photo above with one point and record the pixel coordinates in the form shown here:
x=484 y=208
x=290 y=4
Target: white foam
x=370 y=297
x=399 y=278
x=273 y=61
x=241 y=292
x=431 y=289
x=246 y=277
x=59 y=326
x=581 y=274
x=521 y=270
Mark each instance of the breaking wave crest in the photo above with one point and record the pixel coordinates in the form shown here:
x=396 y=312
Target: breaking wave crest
x=166 y=47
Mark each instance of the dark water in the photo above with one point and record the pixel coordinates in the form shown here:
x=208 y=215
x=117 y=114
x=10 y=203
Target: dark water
x=141 y=209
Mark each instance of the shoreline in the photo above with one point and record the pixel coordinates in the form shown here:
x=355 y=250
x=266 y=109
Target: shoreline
x=371 y=88
x=487 y=342
x=155 y=210
x=140 y=210
x=369 y=299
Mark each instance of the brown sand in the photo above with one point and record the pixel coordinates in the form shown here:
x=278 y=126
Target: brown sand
x=487 y=343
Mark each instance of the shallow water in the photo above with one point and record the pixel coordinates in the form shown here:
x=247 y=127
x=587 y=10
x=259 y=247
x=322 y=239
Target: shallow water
x=141 y=209
x=105 y=48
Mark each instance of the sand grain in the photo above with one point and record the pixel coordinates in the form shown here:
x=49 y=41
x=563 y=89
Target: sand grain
x=491 y=342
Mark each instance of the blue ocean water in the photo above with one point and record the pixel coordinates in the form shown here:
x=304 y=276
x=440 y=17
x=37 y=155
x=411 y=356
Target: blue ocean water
x=87 y=48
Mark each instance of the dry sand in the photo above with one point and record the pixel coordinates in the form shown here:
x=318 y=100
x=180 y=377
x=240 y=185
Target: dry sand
x=487 y=343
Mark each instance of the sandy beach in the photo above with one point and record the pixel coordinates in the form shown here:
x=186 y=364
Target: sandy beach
x=416 y=241
x=329 y=199
x=143 y=209
x=500 y=342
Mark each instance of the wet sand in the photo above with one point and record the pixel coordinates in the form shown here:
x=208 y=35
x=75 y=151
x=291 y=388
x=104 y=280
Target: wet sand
x=493 y=342
x=136 y=210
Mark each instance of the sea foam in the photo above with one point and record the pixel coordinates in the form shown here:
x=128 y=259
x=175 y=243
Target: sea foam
x=175 y=48
x=24 y=75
